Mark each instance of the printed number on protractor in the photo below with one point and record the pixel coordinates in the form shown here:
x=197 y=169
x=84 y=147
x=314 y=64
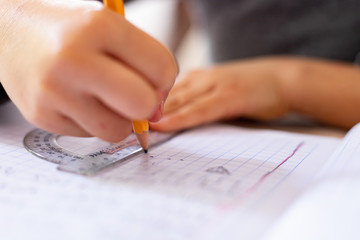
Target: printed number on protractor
x=85 y=156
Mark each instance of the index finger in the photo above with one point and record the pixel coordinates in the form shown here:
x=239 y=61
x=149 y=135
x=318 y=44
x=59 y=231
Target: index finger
x=140 y=51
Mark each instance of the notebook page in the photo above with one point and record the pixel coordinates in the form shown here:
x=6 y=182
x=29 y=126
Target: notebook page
x=345 y=161
x=213 y=182
x=329 y=208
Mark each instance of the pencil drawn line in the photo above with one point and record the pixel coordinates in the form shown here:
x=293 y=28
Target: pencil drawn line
x=219 y=169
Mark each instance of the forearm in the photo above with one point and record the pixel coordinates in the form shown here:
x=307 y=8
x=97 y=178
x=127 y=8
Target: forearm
x=324 y=90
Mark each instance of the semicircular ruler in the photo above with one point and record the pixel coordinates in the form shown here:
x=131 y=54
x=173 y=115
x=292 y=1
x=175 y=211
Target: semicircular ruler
x=46 y=145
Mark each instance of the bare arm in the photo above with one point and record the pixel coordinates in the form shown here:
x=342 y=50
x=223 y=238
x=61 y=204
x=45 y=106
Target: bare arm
x=266 y=88
x=325 y=90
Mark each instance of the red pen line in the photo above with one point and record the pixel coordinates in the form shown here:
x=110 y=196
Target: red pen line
x=259 y=182
x=262 y=179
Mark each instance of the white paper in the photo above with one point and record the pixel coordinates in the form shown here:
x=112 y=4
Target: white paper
x=214 y=182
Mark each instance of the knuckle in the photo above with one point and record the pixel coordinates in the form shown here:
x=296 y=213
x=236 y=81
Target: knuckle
x=88 y=27
x=88 y=22
x=94 y=21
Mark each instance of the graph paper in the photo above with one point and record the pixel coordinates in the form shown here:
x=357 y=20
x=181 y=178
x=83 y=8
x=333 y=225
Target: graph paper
x=231 y=164
x=213 y=182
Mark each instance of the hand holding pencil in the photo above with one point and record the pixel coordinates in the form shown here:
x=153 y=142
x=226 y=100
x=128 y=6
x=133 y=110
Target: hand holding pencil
x=141 y=127
x=84 y=70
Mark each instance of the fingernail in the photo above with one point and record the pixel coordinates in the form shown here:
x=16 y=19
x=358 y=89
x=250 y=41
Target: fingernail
x=158 y=113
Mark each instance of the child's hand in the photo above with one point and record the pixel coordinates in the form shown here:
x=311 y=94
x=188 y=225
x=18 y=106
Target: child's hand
x=239 y=89
x=75 y=68
x=265 y=89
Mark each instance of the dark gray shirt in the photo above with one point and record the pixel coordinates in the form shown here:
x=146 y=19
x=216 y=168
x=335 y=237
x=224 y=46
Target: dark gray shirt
x=316 y=28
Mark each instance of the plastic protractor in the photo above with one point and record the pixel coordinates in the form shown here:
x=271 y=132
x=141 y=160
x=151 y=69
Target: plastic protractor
x=47 y=146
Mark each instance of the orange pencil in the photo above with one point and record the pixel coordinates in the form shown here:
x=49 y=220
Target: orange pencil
x=141 y=127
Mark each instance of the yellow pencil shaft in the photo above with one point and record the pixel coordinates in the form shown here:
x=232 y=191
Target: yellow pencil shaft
x=115 y=5
x=140 y=126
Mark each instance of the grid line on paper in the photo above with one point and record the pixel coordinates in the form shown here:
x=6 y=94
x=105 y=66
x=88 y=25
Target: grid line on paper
x=260 y=165
x=267 y=174
x=182 y=165
x=240 y=198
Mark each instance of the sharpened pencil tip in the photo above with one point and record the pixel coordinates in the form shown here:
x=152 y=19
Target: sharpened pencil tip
x=145 y=151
